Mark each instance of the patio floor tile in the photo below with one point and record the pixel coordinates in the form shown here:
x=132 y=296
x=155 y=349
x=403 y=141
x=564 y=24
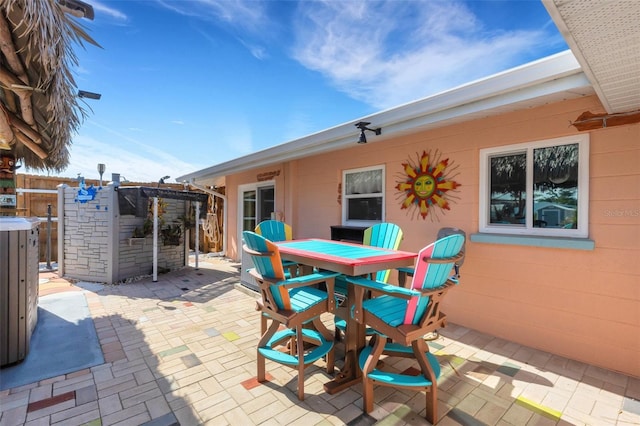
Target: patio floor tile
x=183 y=351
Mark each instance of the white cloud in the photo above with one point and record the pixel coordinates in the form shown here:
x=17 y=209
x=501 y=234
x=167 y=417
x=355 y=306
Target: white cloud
x=135 y=166
x=100 y=8
x=249 y=15
x=257 y=51
x=245 y=19
x=389 y=58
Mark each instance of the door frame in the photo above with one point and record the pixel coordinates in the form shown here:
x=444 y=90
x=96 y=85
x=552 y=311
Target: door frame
x=245 y=278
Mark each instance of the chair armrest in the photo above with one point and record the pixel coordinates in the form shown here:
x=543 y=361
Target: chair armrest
x=301 y=281
x=362 y=284
x=256 y=253
x=389 y=289
x=304 y=280
x=431 y=291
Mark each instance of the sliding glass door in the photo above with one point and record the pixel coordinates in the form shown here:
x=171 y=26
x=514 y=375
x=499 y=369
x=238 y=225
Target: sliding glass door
x=257 y=203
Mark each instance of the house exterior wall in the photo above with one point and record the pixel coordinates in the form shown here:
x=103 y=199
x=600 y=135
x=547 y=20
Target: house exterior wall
x=582 y=304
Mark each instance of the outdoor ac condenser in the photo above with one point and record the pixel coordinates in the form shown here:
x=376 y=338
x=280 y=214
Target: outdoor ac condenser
x=19 y=260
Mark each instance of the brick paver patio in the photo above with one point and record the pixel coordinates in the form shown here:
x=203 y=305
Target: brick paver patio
x=182 y=351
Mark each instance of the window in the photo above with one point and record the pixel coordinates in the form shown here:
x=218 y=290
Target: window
x=363 y=196
x=538 y=188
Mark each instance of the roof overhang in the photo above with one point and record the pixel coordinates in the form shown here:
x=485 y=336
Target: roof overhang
x=551 y=79
x=605 y=38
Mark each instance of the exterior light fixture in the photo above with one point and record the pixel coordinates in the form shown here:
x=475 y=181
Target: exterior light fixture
x=362 y=125
x=162 y=179
x=77 y=8
x=88 y=95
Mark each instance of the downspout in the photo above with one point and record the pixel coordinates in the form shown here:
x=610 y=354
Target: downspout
x=61 y=225
x=155 y=239
x=224 y=214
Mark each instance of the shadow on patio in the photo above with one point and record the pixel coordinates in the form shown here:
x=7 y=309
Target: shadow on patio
x=183 y=350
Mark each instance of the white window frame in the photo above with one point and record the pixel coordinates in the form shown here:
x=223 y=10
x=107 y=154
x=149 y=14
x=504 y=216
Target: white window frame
x=583 y=188
x=345 y=197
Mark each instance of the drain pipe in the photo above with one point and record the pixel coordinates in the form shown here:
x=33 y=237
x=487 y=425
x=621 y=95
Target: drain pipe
x=197 y=234
x=224 y=214
x=155 y=239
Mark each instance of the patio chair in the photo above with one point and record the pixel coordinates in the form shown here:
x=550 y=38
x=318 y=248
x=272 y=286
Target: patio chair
x=274 y=230
x=383 y=235
x=295 y=303
x=403 y=316
x=403 y=273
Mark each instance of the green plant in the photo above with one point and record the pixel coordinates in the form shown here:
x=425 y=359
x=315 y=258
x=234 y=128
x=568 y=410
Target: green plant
x=187 y=220
x=171 y=234
x=147 y=226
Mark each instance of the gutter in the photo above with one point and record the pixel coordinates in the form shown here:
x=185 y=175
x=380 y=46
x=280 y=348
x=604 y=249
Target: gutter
x=544 y=77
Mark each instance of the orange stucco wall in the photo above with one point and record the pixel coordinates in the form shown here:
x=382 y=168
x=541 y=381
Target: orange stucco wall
x=581 y=304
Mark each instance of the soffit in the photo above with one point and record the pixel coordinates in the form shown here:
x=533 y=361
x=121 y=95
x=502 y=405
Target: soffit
x=604 y=35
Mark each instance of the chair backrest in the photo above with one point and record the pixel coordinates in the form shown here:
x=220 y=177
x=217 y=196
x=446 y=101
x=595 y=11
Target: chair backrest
x=274 y=230
x=268 y=264
x=432 y=275
x=445 y=232
x=383 y=235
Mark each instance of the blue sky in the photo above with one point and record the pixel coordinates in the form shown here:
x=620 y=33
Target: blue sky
x=187 y=84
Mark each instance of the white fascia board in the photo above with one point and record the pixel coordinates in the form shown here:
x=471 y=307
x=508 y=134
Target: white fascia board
x=543 y=77
x=529 y=75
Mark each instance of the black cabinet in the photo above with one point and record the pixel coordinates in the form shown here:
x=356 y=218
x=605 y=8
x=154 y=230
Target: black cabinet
x=352 y=234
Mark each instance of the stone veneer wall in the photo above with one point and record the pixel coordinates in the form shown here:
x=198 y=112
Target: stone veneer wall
x=85 y=239
x=96 y=241
x=136 y=255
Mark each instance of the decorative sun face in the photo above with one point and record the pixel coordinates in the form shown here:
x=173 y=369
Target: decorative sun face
x=425 y=186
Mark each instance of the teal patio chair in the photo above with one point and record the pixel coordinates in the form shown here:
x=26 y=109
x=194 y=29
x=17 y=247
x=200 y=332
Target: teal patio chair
x=403 y=273
x=274 y=230
x=292 y=303
x=403 y=316
x=383 y=235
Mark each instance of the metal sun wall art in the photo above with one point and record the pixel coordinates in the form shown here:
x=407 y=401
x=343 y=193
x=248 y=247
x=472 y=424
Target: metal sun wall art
x=426 y=187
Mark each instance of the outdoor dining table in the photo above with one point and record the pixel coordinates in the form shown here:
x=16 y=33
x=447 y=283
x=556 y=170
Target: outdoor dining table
x=348 y=259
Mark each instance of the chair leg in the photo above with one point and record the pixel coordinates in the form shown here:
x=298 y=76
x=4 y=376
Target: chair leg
x=431 y=405
x=263 y=323
x=369 y=366
x=261 y=360
x=420 y=349
x=300 y=354
x=326 y=333
x=367 y=394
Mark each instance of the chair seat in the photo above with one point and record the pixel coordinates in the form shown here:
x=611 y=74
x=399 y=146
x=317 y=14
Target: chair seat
x=389 y=309
x=323 y=347
x=302 y=298
x=398 y=379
